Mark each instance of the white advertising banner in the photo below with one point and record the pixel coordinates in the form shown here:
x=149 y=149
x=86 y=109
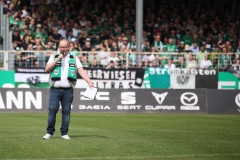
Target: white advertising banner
x=182 y=79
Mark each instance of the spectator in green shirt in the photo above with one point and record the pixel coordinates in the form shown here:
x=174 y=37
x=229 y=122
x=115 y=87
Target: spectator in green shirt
x=187 y=38
x=11 y=18
x=170 y=46
x=201 y=36
x=38 y=32
x=132 y=43
x=214 y=56
x=73 y=49
x=163 y=57
x=84 y=61
x=157 y=42
x=146 y=46
x=118 y=31
x=126 y=27
x=237 y=53
x=224 y=59
x=94 y=31
x=95 y=41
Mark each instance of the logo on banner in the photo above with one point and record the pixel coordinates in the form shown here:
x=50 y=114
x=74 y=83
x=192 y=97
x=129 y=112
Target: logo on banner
x=139 y=82
x=237 y=101
x=100 y=96
x=235 y=70
x=128 y=98
x=189 y=101
x=128 y=101
x=34 y=80
x=160 y=98
x=182 y=80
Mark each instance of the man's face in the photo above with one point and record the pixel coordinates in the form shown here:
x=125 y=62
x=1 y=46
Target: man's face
x=125 y=41
x=16 y=32
x=123 y=47
x=133 y=39
x=94 y=26
x=88 y=45
x=15 y=44
x=63 y=47
x=119 y=39
x=30 y=47
x=190 y=57
x=158 y=38
x=224 y=50
x=49 y=43
x=71 y=46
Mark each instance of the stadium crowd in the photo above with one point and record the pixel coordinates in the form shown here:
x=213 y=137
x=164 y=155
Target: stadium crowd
x=176 y=33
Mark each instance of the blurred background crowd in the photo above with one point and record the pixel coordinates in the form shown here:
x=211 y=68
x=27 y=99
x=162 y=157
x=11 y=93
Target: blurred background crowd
x=176 y=33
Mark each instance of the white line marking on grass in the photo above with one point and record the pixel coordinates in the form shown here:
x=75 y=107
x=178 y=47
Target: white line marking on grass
x=41 y=128
x=163 y=130
x=132 y=157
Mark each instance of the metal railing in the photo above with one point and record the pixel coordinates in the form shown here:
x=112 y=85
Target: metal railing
x=220 y=61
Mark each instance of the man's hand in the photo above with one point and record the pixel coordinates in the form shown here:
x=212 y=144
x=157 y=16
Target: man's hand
x=60 y=56
x=90 y=84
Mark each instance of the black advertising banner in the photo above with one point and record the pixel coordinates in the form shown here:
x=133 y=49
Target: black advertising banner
x=108 y=101
x=37 y=70
x=113 y=78
x=190 y=101
x=223 y=101
x=114 y=74
x=171 y=101
x=207 y=81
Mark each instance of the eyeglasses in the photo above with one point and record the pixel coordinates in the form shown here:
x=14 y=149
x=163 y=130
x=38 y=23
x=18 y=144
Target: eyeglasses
x=63 y=47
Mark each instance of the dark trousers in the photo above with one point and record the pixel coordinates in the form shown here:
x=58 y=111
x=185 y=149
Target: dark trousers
x=63 y=96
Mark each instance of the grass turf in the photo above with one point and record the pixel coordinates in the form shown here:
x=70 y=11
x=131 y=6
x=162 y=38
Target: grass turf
x=122 y=136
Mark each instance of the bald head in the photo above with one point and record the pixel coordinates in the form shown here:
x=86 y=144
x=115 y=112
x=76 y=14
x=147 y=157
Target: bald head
x=64 y=42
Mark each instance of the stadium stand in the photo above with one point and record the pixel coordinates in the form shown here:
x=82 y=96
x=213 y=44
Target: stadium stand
x=209 y=30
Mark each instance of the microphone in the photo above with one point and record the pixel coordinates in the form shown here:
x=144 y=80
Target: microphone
x=62 y=52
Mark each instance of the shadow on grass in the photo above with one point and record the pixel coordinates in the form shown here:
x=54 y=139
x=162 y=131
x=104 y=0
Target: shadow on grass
x=87 y=136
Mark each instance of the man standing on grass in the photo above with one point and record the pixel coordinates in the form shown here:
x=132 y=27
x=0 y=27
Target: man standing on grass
x=63 y=67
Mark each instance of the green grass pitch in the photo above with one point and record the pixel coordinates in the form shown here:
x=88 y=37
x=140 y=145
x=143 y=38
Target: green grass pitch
x=122 y=136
